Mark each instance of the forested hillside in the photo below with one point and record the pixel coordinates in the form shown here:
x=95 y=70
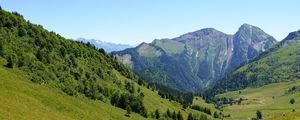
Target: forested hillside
x=81 y=71
x=48 y=58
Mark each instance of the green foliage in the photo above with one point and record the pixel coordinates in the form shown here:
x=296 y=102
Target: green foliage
x=197 y=117
x=157 y=114
x=293 y=90
x=292 y=101
x=190 y=116
x=21 y=99
x=202 y=109
x=74 y=67
x=129 y=101
x=179 y=116
x=258 y=115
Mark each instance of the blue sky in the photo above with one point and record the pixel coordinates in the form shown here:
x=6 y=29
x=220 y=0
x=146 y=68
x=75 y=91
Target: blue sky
x=135 y=21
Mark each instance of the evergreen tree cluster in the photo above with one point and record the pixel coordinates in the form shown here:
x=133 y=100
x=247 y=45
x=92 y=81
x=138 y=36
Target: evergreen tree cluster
x=168 y=115
x=197 y=117
x=201 y=109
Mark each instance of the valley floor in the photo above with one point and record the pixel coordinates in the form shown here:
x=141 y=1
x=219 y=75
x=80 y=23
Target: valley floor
x=272 y=100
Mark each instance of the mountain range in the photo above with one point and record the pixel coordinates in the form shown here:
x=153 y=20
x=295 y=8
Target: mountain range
x=46 y=76
x=280 y=63
x=192 y=61
x=107 y=46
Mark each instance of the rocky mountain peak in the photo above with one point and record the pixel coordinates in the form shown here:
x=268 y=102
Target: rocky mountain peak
x=293 y=35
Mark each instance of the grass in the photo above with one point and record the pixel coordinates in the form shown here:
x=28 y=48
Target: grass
x=171 y=47
x=22 y=99
x=270 y=99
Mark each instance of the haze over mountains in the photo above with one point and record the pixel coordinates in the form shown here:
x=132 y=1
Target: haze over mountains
x=193 y=60
x=107 y=46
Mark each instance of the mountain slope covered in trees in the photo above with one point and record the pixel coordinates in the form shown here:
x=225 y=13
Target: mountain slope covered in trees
x=42 y=73
x=194 y=60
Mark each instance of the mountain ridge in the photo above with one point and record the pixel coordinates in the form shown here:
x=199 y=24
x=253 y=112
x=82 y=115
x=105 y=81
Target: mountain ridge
x=204 y=56
x=278 y=64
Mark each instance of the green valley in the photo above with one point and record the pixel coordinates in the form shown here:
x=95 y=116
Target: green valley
x=272 y=100
x=200 y=75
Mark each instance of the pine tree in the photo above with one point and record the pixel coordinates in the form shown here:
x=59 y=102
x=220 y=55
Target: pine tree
x=157 y=115
x=190 y=116
x=179 y=116
x=169 y=113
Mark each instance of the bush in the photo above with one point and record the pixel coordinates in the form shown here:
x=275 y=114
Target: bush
x=258 y=115
x=292 y=101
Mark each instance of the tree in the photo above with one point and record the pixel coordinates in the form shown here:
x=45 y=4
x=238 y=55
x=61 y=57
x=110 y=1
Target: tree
x=203 y=117
x=179 y=116
x=190 y=117
x=169 y=113
x=174 y=115
x=129 y=86
x=157 y=115
x=258 y=115
x=11 y=61
x=128 y=109
x=114 y=99
x=216 y=115
x=292 y=101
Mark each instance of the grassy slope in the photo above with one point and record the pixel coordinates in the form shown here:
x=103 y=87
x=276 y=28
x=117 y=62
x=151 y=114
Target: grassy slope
x=199 y=101
x=153 y=101
x=262 y=99
x=22 y=99
x=170 y=46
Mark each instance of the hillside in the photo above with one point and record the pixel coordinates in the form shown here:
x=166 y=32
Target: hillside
x=45 y=76
x=192 y=61
x=278 y=64
x=272 y=100
x=23 y=100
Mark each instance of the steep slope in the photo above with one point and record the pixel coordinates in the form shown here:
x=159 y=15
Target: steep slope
x=74 y=67
x=45 y=76
x=107 y=46
x=23 y=100
x=193 y=60
x=280 y=63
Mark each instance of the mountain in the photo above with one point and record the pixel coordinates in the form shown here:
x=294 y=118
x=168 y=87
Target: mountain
x=192 y=61
x=107 y=46
x=278 y=64
x=45 y=76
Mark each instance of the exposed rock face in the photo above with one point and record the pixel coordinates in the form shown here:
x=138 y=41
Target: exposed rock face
x=248 y=42
x=193 y=60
